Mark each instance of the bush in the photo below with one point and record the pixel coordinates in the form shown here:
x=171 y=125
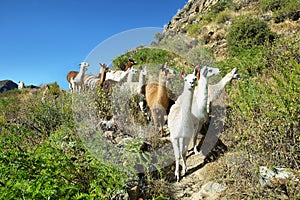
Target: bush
x=217 y=8
x=194 y=29
x=223 y=16
x=263 y=116
x=246 y=32
x=42 y=157
x=283 y=9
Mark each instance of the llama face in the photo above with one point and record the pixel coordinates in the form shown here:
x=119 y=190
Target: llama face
x=132 y=71
x=190 y=80
x=84 y=64
x=212 y=71
x=235 y=75
x=209 y=72
x=144 y=70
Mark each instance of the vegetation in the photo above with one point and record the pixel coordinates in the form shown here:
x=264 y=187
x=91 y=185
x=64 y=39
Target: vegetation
x=42 y=156
x=283 y=9
x=145 y=55
x=263 y=118
x=247 y=32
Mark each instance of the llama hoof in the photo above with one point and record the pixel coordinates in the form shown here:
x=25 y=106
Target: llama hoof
x=184 y=172
x=177 y=177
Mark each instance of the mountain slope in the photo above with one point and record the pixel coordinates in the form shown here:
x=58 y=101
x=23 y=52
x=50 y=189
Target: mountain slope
x=6 y=85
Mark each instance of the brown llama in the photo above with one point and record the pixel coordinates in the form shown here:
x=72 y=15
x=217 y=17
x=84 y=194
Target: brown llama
x=157 y=97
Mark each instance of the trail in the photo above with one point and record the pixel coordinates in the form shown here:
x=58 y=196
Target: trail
x=189 y=186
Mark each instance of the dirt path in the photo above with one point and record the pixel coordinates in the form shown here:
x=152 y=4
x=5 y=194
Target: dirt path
x=189 y=186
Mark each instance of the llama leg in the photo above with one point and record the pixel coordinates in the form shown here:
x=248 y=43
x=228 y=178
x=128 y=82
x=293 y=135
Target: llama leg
x=176 y=149
x=70 y=87
x=198 y=128
x=154 y=117
x=185 y=143
x=161 y=120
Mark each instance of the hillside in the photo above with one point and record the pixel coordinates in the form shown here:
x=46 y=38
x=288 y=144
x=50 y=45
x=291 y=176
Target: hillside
x=59 y=145
x=6 y=85
x=261 y=39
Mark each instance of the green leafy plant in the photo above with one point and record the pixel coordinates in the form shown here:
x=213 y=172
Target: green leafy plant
x=247 y=32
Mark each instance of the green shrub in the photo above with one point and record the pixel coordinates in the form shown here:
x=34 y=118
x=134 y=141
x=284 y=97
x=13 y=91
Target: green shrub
x=272 y=5
x=289 y=10
x=120 y=62
x=42 y=157
x=283 y=9
x=223 y=16
x=146 y=55
x=195 y=29
x=246 y=32
x=217 y=8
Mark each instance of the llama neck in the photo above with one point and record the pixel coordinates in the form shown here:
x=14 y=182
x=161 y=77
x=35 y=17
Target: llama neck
x=103 y=76
x=162 y=85
x=81 y=73
x=169 y=83
x=225 y=80
x=216 y=89
x=186 y=103
x=200 y=101
x=129 y=77
x=142 y=79
x=123 y=76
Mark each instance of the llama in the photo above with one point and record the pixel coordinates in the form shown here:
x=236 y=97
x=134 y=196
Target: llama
x=91 y=81
x=87 y=79
x=200 y=99
x=215 y=90
x=77 y=81
x=21 y=85
x=131 y=74
x=118 y=74
x=157 y=97
x=136 y=87
x=181 y=123
x=71 y=76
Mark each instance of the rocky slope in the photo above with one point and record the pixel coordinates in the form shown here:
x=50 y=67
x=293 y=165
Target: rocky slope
x=6 y=85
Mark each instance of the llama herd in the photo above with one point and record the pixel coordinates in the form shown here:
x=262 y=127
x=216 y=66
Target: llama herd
x=185 y=116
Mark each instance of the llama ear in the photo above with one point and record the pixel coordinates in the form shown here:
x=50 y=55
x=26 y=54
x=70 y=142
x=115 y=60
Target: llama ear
x=205 y=71
x=198 y=76
x=181 y=74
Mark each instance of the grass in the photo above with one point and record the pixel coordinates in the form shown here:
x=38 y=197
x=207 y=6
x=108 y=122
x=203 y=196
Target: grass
x=263 y=119
x=43 y=157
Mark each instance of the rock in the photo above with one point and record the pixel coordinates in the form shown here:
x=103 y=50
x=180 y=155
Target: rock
x=109 y=135
x=192 y=7
x=121 y=195
x=209 y=190
x=6 y=85
x=133 y=192
x=276 y=176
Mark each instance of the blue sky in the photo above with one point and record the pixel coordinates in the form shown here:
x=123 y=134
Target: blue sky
x=41 y=40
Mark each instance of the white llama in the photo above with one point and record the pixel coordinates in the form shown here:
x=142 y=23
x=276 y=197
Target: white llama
x=215 y=90
x=136 y=87
x=200 y=99
x=181 y=123
x=77 y=82
x=21 y=85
